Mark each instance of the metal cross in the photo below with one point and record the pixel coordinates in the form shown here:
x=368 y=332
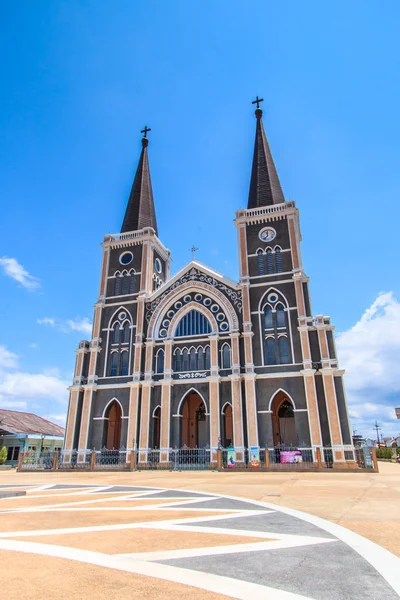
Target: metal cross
x=193 y=250
x=257 y=101
x=145 y=130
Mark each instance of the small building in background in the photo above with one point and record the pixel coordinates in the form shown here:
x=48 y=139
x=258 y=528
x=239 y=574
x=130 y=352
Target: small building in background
x=23 y=432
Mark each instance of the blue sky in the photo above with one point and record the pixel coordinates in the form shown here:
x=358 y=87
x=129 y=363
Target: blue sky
x=79 y=82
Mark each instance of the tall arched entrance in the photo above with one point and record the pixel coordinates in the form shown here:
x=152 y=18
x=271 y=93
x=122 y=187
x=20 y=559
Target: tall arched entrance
x=283 y=421
x=194 y=432
x=112 y=427
x=227 y=426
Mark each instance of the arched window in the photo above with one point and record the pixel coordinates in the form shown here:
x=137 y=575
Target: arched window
x=193 y=323
x=185 y=360
x=226 y=357
x=280 y=316
x=200 y=359
x=270 y=263
x=123 y=367
x=208 y=362
x=125 y=283
x=260 y=262
x=132 y=282
x=117 y=285
x=270 y=351
x=178 y=361
x=276 y=334
x=160 y=361
x=268 y=320
x=283 y=346
x=116 y=334
x=126 y=331
x=113 y=364
x=278 y=260
x=193 y=360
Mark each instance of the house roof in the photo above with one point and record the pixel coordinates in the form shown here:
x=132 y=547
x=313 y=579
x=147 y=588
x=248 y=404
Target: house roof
x=14 y=421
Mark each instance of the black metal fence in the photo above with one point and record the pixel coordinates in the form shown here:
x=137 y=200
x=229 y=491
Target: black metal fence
x=195 y=459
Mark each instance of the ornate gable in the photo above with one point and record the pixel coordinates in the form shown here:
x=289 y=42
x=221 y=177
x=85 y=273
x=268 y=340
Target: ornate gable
x=201 y=276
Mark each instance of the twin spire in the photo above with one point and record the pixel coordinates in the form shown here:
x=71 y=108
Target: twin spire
x=265 y=188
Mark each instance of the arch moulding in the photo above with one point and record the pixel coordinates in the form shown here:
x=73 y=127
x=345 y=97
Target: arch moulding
x=192 y=286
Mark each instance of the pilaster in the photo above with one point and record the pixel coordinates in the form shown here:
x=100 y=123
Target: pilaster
x=69 y=433
x=133 y=414
x=251 y=409
x=145 y=421
x=237 y=414
x=333 y=414
x=312 y=408
x=85 y=419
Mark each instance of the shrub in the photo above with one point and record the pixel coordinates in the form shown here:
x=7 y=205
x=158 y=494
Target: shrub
x=384 y=453
x=3 y=455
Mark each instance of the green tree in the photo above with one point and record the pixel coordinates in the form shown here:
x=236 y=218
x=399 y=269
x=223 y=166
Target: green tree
x=3 y=455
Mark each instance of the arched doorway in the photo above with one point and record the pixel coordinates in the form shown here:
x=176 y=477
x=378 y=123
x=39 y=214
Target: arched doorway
x=156 y=427
x=283 y=421
x=227 y=426
x=194 y=422
x=112 y=426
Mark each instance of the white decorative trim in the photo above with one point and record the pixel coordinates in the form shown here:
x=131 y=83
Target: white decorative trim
x=277 y=392
x=192 y=389
x=107 y=405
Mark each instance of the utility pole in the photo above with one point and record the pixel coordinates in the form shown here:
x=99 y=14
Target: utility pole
x=377 y=428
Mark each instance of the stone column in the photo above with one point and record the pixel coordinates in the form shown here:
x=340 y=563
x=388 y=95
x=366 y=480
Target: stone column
x=145 y=421
x=214 y=396
x=312 y=409
x=133 y=415
x=85 y=421
x=237 y=415
x=166 y=402
x=333 y=414
x=251 y=406
x=72 y=408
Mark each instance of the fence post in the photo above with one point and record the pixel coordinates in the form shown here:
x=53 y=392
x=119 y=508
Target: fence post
x=20 y=456
x=132 y=461
x=92 y=460
x=318 y=455
x=219 y=459
x=374 y=459
x=54 y=467
x=266 y=458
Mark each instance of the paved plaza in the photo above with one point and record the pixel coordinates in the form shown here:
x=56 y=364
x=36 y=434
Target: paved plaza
x=226 y=535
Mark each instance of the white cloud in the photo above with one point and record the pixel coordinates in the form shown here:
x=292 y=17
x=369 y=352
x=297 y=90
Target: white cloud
x=370 y=353
x=83 y=325
x=68 y=325
x=16 y=271
x=8 y=360
x=28 y=391
x=46 y=321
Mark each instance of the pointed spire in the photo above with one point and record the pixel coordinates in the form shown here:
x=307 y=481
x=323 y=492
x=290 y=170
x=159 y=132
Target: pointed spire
x=265 y=188
x=140 y=211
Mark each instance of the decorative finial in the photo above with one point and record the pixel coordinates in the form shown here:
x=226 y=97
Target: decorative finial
x=193 y=250
x=145 y=141
x=258 y=109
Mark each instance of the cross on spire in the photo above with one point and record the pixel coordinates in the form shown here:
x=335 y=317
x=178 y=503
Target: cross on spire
x=257 y=101
x=193 y=250
x=145 y=130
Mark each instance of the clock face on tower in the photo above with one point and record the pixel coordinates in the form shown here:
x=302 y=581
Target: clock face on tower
x=267 y=234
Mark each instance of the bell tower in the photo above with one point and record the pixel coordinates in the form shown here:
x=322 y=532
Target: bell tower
x=134 y=264
x=282 y=342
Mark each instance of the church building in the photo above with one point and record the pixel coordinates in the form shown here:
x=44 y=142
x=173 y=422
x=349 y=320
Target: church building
x=197 y=360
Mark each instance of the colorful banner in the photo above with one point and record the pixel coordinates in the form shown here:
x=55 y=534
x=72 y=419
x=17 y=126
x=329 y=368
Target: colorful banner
x=291 y=456
x=255 y=456
x=231 y=458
